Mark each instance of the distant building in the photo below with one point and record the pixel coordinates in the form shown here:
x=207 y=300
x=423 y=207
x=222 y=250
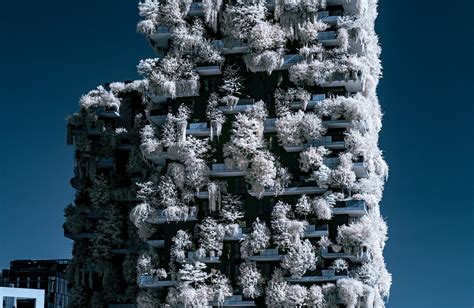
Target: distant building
x=21 y=298
x=48 y=275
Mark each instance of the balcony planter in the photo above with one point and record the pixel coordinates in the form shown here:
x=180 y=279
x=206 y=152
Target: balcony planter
x=336 y=248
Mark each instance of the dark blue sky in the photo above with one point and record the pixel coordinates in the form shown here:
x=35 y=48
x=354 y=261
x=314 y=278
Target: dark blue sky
x=52 y=52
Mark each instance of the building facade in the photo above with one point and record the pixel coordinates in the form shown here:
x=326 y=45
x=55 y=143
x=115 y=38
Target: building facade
x=242 y=169
x=47 y=275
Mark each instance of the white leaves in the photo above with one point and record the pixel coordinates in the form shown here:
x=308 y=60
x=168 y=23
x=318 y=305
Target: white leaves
x=350 y=290
x=300 y=258
x=266 y=36
x=211 y=236
x=100 y=97
x=250 y=279
x=276 y=290
x=181 y=242
x=298 y=127
x=257 y=241
x=312 y=158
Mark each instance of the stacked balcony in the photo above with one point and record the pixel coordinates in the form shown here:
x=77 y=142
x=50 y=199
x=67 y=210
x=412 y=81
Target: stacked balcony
x=153 y=282
x=198 y=129
x=221 y=170
x=158 y=218
x=233 y=301
x=191 y=257
x=313 y=231
x=355 y=256
x=268 y=255
x=326 y=276
x=290 y=60
x=209 y=70
x=104 y=112
x=237 y=235
x=105 y=163
x=299 y=189
x=359 y=167
x=230 y=46
x=352 y=81
x=78 y=236
x=328 y=38
x=353 y=208
x=325 y=141
x=156 y=243
x=242 y=106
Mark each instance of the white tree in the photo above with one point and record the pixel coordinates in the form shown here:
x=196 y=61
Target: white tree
x=220 y=287
x=231 y=86
x=286 y=231
x=296 y=296
x=181 y=243
x=100 y=97
x=313 y=158
x=343 y=175
x=276 y=290
x=250 y=279
x=350 y=290
x=215 y=115
x=211 y=236
x=257 y=241
x=315 y=297
x=303 y=206
x=300 y=258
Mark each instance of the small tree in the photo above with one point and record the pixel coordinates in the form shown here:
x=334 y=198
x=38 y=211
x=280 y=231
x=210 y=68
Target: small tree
x=211 y=236
x=300 y=258
x=276 y=290
x=257 y=241
x=250 y=279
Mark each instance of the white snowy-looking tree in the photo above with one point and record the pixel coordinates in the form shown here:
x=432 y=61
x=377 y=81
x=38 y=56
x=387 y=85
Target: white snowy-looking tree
x=276 y=290
x=250 y=279
x=257 y=241
x=181 y=242
x=300 y=258
x=350 y=290
x=296 y=296
x=211 y=236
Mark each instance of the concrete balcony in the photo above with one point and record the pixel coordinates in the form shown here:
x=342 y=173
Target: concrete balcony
x=103 y=112
x=236 y=236
x=313 y=231
x=266 y=256
x=328 y=38
x=79 y=236
x=196 y=9
x=315 y=99
x=270 y=126
x=337 y=124
x=242 y=106
x=359 y=168
x=325 y=141
x=151 y=282
x=233 y=301
x=161 y=36
x=157 y=119
x=198 y=129
x=325 y=17
x=290 y=60
x=158 y=157
x=182 y=88
x=290 y=191
x=158 y=218
x=209 y=70
x=353 y=208
x=356 y=257
x=352 y=81
x=221 y=170
x=156 y=243
x=191 y=257
x=350 y=7
x=230 y=46
x=105 y=163
x=326 y=276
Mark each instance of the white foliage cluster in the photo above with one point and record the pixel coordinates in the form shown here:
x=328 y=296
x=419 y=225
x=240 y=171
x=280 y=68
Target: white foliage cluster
x=256 y=241
x=100 y=97
x=171 y=76
x=250 y=279
x=155 y=14
x=298 y=127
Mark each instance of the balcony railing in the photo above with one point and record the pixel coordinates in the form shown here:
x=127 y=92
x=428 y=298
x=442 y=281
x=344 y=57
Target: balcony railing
x=158 y=218
x=230 y=46
x=315 y=99
x=325 y=17
x=353 y=256
x=313 y=231
x=353 y=208
x=152 y=282
x=327 y=38
x=198 y=129
x=267 y=255
x=325 y=141
x=209 y=70
x=221 y=170
x=233 y=301
x=289 y=191
x=156 y=243
x=242 y=106
x=326 y=276
x=352 y=81
x=191 y=257
x=290 y=60
x=106 y=113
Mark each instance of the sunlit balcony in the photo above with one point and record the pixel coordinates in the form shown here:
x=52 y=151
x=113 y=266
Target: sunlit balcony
x=313 y=231
x=209 y=70
x=326 y=276
x=243 y=105
x=325 y=141
x=353 y=208
x=191 y=257
x=198 y=129
x=153 y=282
x=233 y=301
x=289 y=191
x=221 y=170
x=266 y=256
x=327 y=38
x=158 y=218
x=353 y=256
